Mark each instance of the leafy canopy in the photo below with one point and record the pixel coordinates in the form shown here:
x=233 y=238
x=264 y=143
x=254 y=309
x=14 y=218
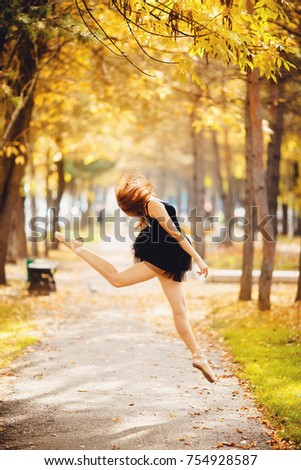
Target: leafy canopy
x=237 y=32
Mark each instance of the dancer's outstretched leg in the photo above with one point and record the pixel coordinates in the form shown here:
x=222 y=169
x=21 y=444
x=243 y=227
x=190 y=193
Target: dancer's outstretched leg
x=176 y=298
x=140 y=272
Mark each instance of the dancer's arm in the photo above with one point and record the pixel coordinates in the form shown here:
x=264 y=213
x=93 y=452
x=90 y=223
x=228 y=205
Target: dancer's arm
x=157 y=210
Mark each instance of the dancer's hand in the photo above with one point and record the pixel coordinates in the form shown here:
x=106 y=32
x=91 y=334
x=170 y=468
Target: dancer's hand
x=203 y=268
x=74 y=245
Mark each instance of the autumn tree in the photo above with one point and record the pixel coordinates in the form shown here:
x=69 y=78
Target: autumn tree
x=32 y=34
x=20 y=53
x=26 y=44
x=266 y=186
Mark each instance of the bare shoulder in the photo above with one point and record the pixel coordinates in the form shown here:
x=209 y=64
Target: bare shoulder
x=156 y=208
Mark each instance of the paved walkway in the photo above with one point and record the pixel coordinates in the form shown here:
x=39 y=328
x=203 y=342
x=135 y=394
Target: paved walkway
x=109 y=374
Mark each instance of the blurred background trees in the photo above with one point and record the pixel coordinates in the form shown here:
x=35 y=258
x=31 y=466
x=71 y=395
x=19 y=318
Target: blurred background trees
x=186 y=91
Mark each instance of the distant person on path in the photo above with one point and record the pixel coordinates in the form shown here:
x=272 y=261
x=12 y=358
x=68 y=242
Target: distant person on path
x=160 y=250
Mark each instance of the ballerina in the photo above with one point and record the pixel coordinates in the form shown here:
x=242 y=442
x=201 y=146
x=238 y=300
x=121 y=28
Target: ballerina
x=160 y=250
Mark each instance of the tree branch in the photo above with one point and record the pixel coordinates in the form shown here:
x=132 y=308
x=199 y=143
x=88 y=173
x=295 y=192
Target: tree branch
x=30 y=85
x=88 y=10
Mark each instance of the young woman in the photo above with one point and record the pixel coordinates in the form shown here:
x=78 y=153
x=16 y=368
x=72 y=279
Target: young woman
x=160 y=250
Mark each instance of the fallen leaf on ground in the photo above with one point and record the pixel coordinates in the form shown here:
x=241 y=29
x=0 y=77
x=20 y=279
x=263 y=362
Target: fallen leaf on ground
x=226 y=444
x=267 y=423
x=247 y=446
x=203 y=428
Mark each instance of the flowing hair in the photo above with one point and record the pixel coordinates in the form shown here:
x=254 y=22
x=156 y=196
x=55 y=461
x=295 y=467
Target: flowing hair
x=132 y=191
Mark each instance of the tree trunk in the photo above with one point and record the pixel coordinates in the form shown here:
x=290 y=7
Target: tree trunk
x=274 y=147
x=17 y=247
x=190 y=193
x=84 y=223
x=179 y=195
x=3 y=30
x=297 y=202
x=17 y=120
x=213 y=198
x=217 y=169
x=56 y=202
x=296 y=223
x=49 y=202
x=298 y=296
x=261 y=198
x=225 y=198
x=284 y=218
x=162 y=177
x=33 y=207
x=248 y=246
x=13 y=165
x=104 y=196
x=198 y=196
x=229 y=206
x=9 y=200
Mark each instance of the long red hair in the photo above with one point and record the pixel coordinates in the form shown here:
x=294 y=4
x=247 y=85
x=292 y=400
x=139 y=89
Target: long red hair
x=132 y=191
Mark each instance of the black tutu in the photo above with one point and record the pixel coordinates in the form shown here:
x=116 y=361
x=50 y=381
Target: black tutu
x=160 y=251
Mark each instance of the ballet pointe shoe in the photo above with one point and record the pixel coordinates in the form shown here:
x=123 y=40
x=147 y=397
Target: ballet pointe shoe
x=75 y=245
x=200 y=362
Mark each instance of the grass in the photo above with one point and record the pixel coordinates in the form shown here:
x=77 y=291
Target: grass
x=16 y=325
x=267 y=348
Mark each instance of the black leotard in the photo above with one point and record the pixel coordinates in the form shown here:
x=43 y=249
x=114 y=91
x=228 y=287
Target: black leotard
x=161 y=251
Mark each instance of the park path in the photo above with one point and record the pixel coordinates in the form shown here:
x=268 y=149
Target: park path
x=110 y=374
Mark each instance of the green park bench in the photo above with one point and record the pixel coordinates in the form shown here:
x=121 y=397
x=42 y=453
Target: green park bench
x=40 y=276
